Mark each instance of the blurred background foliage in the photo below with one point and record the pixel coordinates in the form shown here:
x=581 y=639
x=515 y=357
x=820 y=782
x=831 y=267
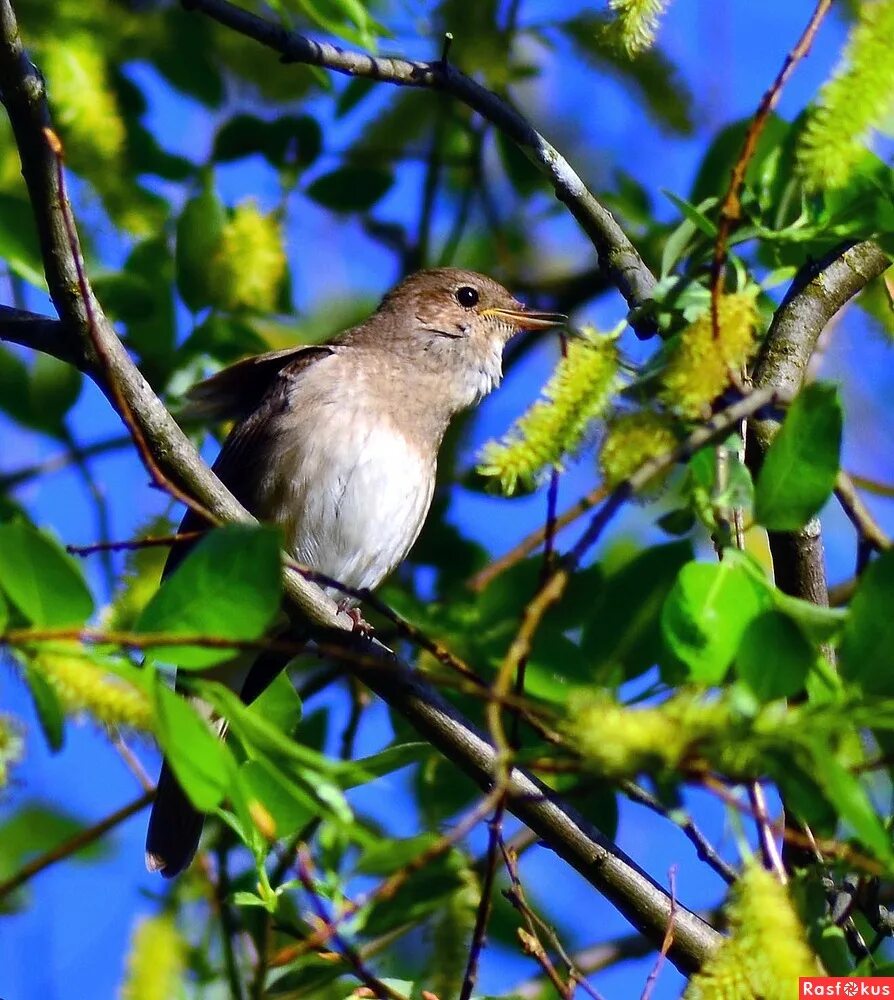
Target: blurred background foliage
x=231 y=203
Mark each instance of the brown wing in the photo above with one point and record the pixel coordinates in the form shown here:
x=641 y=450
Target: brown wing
x=236 y=391
x=248 y=391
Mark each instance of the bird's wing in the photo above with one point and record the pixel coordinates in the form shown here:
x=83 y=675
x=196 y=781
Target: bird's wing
x=249 y=391
x=236 y=391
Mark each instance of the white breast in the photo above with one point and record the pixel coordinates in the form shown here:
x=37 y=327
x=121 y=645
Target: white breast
x=351 y=494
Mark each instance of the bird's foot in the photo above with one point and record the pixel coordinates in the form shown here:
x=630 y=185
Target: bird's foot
x=360 y=624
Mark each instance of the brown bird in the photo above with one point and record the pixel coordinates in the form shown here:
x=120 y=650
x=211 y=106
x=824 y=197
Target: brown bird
x=338 y=445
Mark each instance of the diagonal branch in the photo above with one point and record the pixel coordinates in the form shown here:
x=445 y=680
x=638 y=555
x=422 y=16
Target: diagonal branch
x=617 y=254
x=637 y=896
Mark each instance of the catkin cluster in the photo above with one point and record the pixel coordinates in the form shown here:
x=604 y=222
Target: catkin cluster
x=619 y=741
x=631 y=440
x=248 y=266
x=82 y=686
x=700 y=364
x=766 y=951
x=156 y=961
x=555 y=426
x=858 y=99
x=636 y=22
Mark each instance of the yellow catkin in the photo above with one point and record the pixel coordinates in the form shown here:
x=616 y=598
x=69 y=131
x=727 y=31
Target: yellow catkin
x=766 y=951
x=619 y=741
x=138 y=583
x=699 y=367
x=81 y=686
x=858 y=99
x=156 y=961
x=637 y=22
x=11 y=746
x=248 y=267
x=631 y=439
x=86 y=109
x=556 y=425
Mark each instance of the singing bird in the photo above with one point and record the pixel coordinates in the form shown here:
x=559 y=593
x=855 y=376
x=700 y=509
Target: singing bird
x=338 y=445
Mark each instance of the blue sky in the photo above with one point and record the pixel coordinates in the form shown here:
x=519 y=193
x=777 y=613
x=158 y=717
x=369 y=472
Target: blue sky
x=71 y=942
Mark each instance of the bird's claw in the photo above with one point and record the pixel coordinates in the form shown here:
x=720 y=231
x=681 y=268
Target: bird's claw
x=360 y=626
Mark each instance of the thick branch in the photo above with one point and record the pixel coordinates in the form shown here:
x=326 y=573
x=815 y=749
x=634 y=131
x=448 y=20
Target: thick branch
x=812 y=301
x=617 y=254
x=645 y=904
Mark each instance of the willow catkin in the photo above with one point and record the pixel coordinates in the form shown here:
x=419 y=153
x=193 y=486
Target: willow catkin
x=555 y=426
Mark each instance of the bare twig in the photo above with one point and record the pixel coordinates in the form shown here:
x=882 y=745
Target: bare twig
x=769 y=849
x=703 y=847
x=666 y=943
x=859 y=514
x=75 y=843
x=527 y=545
x=350 y=954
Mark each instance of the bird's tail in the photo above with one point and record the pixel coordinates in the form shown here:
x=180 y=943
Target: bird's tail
x=175 y=826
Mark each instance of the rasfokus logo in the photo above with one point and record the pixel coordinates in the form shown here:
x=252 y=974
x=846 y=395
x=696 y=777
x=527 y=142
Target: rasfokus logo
x=844 y=986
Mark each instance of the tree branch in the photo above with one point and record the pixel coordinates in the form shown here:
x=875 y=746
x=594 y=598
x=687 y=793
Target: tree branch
x=617 y=254
x=640 y=899
x=814 y=298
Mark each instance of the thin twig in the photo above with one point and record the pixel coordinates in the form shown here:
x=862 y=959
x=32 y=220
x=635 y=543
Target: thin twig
x=228 y=929
x=348 y=953
x=75 y=843
x=528 y=544
x=703 y=847
x=668 y=937
x=872 y=486
x=730 y=207
x=859 y=514
x=56 y=463
x=769 y=850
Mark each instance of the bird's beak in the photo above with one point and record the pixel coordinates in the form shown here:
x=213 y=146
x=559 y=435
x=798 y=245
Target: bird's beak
x=527 y=319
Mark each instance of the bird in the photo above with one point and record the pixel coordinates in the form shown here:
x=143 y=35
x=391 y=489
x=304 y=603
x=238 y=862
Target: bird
x=337 y=444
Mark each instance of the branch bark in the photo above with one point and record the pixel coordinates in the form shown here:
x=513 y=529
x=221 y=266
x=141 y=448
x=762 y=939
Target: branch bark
x=814 y=298
x=617 y=254
x=639 y=898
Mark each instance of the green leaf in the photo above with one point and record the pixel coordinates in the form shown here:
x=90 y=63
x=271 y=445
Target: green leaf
x=622 y=636
x=706 y=614
x=294 y=141
x=387 y=761
x=350 y=189
x=866 y=655
x=49 y=711
x=774 y=658
x=846 y=793
x=198 y=235
x=19 y=248
x=40 y=579
x=35 y=828
x=199 y=758
x=280 y=704
x=228 y=587
x=4 y=613
x=290 y=805
x=262 y=739
x=798 y=473
x=54 y=388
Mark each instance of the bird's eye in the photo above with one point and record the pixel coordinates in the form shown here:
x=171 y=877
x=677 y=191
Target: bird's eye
x=467 y=296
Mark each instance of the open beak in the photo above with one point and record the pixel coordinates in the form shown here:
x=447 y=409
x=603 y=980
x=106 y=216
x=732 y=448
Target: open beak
x=525 y=319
